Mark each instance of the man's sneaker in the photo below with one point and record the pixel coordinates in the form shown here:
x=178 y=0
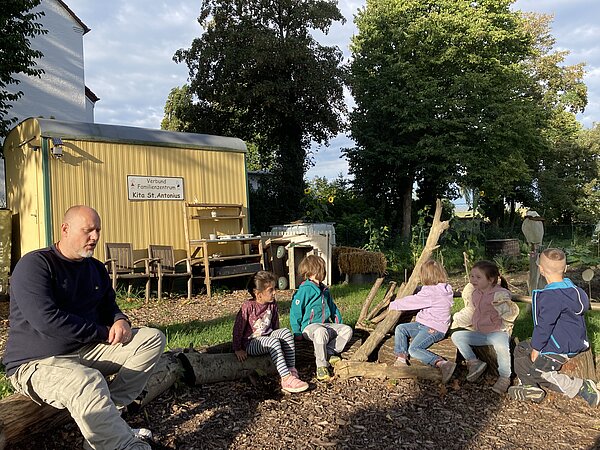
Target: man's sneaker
x=589 y=392
x=447 y=369
x=526 y=392
x=476 y=368
x=293 y=384
x=501 y=386
x=142 y=434
x=323 y=374
x=334 y=359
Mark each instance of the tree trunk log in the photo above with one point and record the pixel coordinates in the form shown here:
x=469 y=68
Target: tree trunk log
x=20 y=417
x=167 y=371
x=204 y=368
x=437 y=228
x=367 y=304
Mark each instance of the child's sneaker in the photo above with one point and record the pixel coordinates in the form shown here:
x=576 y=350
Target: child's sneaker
x=447 y=368
x=323 y=374
x=476 y=368
x=334 y=359
x=400 y=362
x=293 y=384
x=526 y=392
x=589 y=392
x=501 y=386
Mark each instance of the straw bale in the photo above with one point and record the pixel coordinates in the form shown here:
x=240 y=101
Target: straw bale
x=354 y=262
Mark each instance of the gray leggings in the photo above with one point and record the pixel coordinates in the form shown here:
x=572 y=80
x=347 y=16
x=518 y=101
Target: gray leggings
x=280 y=345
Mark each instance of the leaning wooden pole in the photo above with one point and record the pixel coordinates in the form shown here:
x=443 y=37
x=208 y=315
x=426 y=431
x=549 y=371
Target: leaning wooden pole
x=367 y=304
x=384 y=327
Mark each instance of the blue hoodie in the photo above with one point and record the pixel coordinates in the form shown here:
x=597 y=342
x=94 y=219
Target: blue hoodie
x=312 y=303
x=558 y=318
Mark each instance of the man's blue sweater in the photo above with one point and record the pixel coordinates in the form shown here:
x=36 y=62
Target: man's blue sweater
x=57 y=306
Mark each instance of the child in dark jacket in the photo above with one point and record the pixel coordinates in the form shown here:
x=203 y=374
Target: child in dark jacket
x=314 y=316
x=559 y=333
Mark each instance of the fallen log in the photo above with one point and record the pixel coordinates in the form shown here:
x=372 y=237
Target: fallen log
x=391 y=319
x=205 y=368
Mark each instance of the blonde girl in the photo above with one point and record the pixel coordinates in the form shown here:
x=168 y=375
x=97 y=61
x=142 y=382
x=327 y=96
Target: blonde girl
x=434 y=302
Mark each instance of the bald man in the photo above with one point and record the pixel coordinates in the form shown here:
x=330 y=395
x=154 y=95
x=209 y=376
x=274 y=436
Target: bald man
x=559 y=333
x=67 y=334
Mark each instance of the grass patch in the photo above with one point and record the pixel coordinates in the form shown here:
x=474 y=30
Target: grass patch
x=5 y=386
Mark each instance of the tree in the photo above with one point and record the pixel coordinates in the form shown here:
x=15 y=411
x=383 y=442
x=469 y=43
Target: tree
x=257 y=73
x=567 y=156
x=17 y=26
x=438 y=88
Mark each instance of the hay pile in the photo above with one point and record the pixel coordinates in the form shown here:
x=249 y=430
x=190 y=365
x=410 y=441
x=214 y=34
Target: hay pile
x=353 y=261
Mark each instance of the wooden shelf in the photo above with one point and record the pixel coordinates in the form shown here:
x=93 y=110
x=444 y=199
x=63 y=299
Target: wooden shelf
x=222 y=277
x=241 y=216
x=231 y=222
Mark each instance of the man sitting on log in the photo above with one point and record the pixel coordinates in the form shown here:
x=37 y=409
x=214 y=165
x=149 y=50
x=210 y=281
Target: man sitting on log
x=67 y=333
x=559 y=333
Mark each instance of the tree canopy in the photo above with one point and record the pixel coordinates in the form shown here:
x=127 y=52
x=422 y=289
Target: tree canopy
x=17 y=26
x=258 y=73
x=442 y=97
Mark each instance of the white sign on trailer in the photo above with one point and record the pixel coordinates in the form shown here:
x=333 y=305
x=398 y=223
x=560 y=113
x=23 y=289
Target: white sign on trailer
x=154 y=188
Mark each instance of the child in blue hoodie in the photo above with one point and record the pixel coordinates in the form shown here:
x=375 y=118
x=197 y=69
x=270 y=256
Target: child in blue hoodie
x=434 y=302
x=559 y=333
x=314 y=316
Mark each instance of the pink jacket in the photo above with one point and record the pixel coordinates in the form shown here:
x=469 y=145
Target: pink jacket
x=433 y=302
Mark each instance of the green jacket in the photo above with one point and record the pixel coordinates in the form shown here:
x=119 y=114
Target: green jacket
x=312 y=303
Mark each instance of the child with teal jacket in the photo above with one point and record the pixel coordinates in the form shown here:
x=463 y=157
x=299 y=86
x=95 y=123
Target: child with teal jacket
x=314 y=316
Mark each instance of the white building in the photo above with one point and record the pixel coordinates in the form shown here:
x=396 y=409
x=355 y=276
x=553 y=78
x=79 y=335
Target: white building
x=60 y=93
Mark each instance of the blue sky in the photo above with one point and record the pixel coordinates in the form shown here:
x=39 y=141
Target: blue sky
x=129 y=50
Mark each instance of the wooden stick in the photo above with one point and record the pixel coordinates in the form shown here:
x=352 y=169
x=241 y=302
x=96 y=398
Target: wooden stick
x=367 y=304
x=384 y=302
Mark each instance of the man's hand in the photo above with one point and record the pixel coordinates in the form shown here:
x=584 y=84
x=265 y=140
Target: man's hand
x=241 y=355
x=119 y=333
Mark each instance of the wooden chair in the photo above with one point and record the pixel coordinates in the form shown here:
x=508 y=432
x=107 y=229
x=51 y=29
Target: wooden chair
x=164 y=266
x=121 y=265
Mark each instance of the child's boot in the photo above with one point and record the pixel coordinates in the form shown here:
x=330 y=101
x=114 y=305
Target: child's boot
x=526 y=392
x=476 y=368
x=501 y=386
x=323 y=374
x=447 y=369
x=589 y=392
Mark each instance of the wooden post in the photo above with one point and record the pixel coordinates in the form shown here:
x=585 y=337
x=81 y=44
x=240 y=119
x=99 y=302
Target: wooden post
x=384 y=327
